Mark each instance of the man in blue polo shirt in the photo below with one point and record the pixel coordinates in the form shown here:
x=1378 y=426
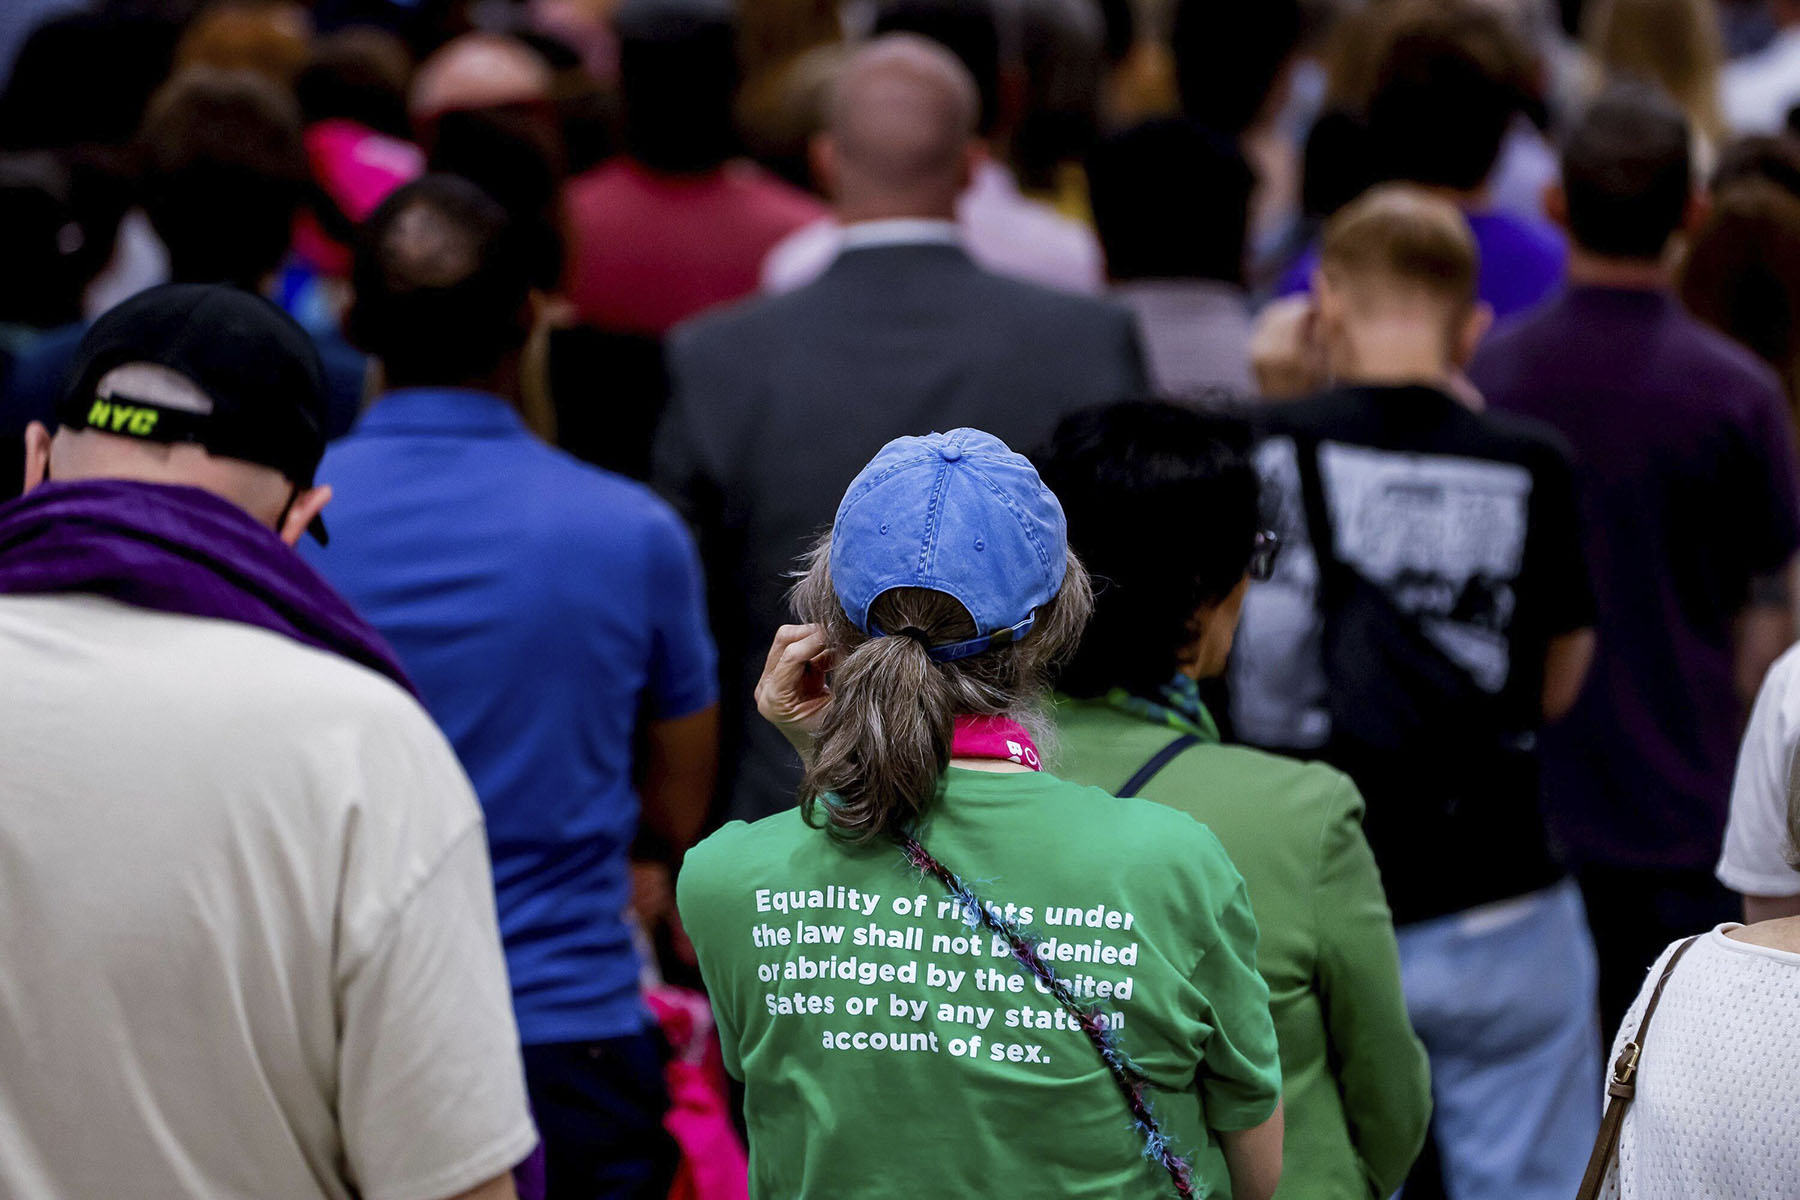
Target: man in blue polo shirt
x=551 y=615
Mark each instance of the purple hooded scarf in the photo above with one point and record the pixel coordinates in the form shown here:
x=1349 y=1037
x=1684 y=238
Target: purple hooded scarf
x=178 y=550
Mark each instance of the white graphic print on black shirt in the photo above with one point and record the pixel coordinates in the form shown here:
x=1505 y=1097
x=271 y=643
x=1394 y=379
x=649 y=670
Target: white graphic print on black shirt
x=1443 y=536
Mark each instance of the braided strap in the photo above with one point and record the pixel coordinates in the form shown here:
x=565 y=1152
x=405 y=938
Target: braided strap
x=1090 y=1017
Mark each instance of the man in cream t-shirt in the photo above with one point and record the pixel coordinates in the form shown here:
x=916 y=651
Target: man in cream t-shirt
x=247 y=940
x=1757 y=861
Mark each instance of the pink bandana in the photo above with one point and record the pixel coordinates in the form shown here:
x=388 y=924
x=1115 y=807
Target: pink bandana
x=994 y=737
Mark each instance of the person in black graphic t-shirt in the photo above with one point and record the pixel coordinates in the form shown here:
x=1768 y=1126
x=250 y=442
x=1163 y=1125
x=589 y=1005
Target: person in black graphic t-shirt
x=1430 y=612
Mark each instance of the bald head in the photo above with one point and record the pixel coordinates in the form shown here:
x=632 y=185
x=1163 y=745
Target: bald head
x=899 y=140
x=478 y=70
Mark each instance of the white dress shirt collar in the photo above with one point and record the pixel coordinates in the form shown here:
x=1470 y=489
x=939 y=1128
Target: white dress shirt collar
x=900 y=231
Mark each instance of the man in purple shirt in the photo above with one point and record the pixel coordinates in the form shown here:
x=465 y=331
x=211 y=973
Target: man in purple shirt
x=1687 y=462
x=1450 y=83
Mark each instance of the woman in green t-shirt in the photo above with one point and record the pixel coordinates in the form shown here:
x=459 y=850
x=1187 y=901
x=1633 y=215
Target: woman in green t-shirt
x=947 y=973
x=1164 y=506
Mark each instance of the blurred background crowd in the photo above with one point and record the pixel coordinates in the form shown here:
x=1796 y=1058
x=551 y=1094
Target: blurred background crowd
x=658 y=153
x=634 y=233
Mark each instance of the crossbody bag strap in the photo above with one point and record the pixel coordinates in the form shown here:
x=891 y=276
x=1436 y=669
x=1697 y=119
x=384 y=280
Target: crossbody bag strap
x=1622 y=1087
x=1316 y=512
x=1089 y=1018
x=1156 y=763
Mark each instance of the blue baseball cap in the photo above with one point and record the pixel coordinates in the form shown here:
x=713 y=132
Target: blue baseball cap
x=957 y=513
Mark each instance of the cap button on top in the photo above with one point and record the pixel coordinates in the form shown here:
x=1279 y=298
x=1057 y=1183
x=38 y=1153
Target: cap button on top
x=950 y=453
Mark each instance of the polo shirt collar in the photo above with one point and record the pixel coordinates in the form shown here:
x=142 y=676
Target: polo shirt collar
x=461 y=412
x=1176 y=704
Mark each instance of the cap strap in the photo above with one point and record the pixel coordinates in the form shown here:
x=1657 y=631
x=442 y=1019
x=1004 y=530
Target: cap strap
x=124 y=417
x=954 y=651
x=132 y=417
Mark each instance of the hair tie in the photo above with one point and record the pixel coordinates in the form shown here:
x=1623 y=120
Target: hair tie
x=915 y=633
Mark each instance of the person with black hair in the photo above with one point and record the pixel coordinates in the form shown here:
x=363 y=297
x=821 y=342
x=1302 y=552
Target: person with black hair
x=1692 y=512
x=224 y=174
x=1230 y=59
x=1450 y=80
x=50 y=99
x=552 y=617
x=678 y=223
x=1062 y=69
x=1774 y=159
x=1172 y=204
x=51 y=258
x=48 y=250
x=1354 y=1077
x=1234 y=69
x=1004 y=230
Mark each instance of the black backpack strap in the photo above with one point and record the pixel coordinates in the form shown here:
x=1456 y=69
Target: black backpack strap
x=1316 y=510
x=1158 y=761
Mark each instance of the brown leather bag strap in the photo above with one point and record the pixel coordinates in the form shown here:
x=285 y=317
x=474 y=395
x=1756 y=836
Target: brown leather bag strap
x=1623 y=1085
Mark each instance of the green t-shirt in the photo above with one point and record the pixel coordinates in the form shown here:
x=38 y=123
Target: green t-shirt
x=888 y=1049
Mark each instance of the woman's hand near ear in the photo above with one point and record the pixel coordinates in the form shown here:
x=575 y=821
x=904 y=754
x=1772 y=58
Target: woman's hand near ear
x=792 y=693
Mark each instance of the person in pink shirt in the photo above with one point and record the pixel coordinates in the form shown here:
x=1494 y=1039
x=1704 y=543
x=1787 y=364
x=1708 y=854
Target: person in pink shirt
x=676 y=225
x=353 y=98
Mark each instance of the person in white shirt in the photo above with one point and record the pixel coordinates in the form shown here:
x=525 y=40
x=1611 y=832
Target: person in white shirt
x=1718 y=1085
x=1718 y=1078
x=1718 y=1071
x=248 y=943
x=1756 y=861
x=1761 y=88
x=1002 y=229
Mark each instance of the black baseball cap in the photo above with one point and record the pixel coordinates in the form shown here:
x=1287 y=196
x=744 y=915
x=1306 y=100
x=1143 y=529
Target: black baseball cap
x=258 y=383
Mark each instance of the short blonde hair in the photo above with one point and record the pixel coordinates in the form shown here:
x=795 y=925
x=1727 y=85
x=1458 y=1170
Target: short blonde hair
x=1403 y=238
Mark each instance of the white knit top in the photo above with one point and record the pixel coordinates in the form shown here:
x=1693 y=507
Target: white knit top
x=1717 y=1114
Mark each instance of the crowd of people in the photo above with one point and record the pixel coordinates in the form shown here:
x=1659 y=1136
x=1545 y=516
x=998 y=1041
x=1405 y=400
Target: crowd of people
x=785 y=599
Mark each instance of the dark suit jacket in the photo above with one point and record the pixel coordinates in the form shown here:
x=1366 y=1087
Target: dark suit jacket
x=778 y=402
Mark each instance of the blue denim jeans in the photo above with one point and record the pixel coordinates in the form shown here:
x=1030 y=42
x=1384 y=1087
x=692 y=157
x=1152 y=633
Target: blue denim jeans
x=1503 y=996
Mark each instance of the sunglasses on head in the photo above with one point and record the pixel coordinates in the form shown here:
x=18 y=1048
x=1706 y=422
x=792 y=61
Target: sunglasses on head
x=1263 y=549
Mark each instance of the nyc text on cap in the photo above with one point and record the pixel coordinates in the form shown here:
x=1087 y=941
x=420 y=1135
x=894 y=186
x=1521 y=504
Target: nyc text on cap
x=207 y=364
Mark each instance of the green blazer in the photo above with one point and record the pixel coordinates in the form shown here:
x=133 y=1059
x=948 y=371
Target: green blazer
x=1354 y=1077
